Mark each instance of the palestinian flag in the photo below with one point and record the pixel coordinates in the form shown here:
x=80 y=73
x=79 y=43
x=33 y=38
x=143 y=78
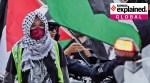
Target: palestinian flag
x=65 y=37
x=87 y=17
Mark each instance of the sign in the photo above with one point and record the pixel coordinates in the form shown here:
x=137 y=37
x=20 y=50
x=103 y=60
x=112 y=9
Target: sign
x=129 y=11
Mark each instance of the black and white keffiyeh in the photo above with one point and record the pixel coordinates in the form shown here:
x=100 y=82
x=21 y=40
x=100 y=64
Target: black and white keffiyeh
x=35 y=49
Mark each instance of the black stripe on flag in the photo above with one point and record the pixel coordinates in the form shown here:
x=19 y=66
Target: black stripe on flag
x=3 y=7
x=100 y=6
x=97 y=6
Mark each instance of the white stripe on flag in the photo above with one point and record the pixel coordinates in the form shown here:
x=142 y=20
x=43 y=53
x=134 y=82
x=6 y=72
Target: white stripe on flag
x=4 y=55
x=129 y=22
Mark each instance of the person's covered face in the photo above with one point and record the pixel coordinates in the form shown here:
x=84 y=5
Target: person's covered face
x=37 y=30
x=53 y=32
x=53 y=29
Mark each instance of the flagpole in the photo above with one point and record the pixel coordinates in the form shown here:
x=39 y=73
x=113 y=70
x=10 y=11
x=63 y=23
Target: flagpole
x=75 y=38
x=78 y=41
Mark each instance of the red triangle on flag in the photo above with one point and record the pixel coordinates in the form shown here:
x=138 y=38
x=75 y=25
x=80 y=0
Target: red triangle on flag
x=64 y=35
x=17 y=10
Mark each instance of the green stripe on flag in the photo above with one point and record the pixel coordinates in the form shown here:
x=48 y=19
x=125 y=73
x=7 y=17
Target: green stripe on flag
x=64 y=43
x=77 y=15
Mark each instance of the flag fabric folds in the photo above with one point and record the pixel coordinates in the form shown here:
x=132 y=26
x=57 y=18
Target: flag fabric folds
x=78 y=15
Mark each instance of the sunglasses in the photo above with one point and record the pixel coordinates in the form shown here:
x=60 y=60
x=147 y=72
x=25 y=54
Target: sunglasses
x=51 y=28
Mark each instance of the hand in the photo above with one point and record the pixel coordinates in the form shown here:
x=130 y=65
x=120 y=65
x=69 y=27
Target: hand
x=87 y=52
x=74 y=47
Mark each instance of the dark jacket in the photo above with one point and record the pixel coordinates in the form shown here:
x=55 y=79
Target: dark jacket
x=97 y=50
x=105 y=69
x=78 y=69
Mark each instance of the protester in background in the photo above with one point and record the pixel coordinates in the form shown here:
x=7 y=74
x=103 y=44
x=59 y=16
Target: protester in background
x=95 y=49
x=97 y=72
x=36 y=58
x=77 y=51
x=102 y=69
x=73 y=65
x=54 y=30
